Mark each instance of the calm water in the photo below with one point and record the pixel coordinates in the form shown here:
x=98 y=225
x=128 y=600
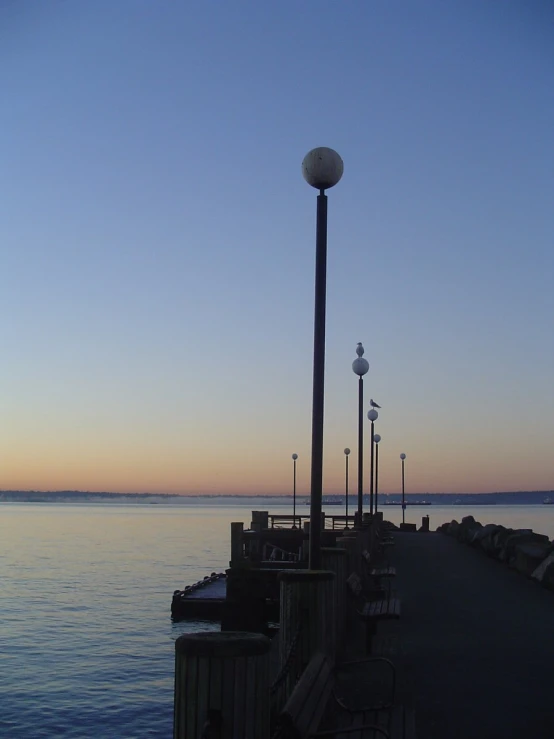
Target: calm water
x=86 y=640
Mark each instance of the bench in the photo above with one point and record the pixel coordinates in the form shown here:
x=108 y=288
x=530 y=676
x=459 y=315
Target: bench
x=372 y=611
x=377 y=572
x=315 y=708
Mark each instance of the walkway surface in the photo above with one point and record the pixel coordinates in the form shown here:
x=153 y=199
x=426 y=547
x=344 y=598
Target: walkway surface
x=476 y=643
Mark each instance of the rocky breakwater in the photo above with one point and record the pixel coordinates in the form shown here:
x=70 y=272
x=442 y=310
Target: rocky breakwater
x=522 y=549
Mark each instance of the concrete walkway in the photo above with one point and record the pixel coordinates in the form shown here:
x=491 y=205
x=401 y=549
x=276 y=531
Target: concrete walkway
x=476 y=643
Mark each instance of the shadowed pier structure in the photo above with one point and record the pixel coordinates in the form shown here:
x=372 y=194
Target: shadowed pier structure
x=476 y=646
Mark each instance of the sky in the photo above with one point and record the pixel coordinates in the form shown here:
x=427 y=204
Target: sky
x=157 y=242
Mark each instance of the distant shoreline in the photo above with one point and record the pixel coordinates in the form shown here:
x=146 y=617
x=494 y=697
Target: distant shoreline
x=425 y=499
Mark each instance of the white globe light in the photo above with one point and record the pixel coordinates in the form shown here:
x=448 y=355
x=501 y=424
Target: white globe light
x=402 y=456
x=347 y=451
x=376 y=438
x=372 y=415
x=295 y=456
x=322 y=168
x=360 y=366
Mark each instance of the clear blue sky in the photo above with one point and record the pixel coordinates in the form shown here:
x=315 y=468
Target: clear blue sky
x=157 y=241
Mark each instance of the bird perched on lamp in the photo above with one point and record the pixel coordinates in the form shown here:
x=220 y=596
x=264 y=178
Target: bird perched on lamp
x=373 y=404
x=360 y=349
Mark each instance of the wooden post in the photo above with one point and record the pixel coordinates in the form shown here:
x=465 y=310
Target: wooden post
x=306 y=541
x=222 y=684
x=237 y=549
x=260 y=520
x=350 y=543
x=307 y=615
x=336 y=560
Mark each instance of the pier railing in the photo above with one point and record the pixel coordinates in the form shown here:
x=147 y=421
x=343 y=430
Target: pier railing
x=333 y=521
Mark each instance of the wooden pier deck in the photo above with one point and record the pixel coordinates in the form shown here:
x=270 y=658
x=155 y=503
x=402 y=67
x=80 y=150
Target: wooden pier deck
x=216 y=589
x=476 y=643
x=204 y=600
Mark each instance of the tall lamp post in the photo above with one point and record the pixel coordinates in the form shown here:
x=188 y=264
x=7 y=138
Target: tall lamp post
x=322 y=168
x=360 y=367
x=376 y=439
x=346 y=453
x=373 y=416
x=403 y=457
x=294 y=458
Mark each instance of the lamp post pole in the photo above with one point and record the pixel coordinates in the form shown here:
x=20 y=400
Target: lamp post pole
x=373 y=416
x=346 y=453
x=403 y=457
x=294 y=458
x=376 y=439
x=360 y=367
x=322 y=168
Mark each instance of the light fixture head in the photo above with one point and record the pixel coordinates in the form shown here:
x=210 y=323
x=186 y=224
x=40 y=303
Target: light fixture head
x=347 y=451
x=295 y=457
x=376 y=438
x=322 y=168
x=402 y=456
x=372 y=415
x=360 y=366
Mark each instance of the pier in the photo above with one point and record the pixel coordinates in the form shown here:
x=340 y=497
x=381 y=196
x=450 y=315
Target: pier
x=402 y=633
x=475 y=649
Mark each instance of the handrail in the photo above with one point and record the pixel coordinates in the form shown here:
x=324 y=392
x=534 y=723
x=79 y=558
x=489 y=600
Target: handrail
x=289 y=556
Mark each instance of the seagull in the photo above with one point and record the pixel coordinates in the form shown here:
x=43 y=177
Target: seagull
x=373 y=404
x=360 y=349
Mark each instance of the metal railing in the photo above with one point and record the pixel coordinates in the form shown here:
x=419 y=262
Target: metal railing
x=273 y=553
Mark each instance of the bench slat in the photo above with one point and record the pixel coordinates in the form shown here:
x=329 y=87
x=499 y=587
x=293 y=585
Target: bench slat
x=383 y=571
x=382 y=609
x=305 y=707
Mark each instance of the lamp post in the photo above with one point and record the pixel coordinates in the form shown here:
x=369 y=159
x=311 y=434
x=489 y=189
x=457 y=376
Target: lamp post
x=360 y=367
x=403 y=457
x=373 y=416
x=322 y=168
x=346 y=453
x=376 y=439
x=294 y=458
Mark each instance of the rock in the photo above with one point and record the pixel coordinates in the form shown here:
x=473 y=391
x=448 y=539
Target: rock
x=499 y=539
x=519 y=536
x=548 y=577
x=540 y=571
x=453 y=528
x=486 y=537
x=473 y=534
x=527 y=557
x=468 y=528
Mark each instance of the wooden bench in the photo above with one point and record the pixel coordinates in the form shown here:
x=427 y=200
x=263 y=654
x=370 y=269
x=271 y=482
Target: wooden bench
x=377 y=572
x=372 y=611
x=315 y=708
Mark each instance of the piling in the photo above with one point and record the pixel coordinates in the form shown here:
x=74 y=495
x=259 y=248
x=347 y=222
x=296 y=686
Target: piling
x=237 y=545
x=307 y=616
x=335 y=560
x=349 y=542
x=260 y=520
x=222 y=685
